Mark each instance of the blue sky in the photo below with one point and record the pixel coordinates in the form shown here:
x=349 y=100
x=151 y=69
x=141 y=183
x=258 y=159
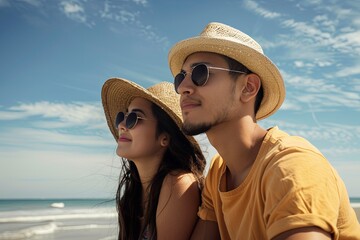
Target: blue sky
x=55 y=56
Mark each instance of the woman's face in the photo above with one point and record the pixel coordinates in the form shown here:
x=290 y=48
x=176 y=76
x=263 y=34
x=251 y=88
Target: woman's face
x=141 y=141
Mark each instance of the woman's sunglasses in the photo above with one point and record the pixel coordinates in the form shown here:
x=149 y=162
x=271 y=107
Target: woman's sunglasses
x=199 y=75
x=131 y=119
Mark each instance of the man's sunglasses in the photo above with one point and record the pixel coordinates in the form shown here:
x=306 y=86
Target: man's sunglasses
x=131 y=119
x=199 y=75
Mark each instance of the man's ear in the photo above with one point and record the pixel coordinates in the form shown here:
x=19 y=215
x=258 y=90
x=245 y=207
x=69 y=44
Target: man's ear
x=251 y=88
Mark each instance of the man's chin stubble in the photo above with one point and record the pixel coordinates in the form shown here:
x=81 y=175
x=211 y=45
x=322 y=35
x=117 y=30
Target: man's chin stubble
x=195 y=129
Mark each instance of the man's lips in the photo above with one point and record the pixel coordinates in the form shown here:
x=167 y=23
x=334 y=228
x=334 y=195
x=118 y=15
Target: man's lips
x=189 y=104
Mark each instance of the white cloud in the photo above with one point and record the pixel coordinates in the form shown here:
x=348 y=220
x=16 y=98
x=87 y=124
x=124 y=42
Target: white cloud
x=73 y=10
x=323 y=63
x=119 y=14
x=69 y=144
x=348 y=71
x=132 y=20
x=68 y=114
x=45 y=125
x=313 y=2
x=323 y=132
x=325 y=23
x=323 y=34
x=314 y=63
x=321 y=93
x=70 y=7
x=7 y=115
x=32 y=138
x=348 y=42
x=320 y=40
x=141 y=2
x=305 y=30
x=290 y=104
x=252 y=5
x=299 y=64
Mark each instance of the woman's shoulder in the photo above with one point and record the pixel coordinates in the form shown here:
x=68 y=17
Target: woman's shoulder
x=177 y=183
x=179 y=179
x=178 y=189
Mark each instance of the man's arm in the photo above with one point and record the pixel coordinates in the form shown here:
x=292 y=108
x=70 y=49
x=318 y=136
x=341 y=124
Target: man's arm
x=206 y=230
x=310 y=233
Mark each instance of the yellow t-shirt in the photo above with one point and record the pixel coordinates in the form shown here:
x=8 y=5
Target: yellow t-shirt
x=290 y=185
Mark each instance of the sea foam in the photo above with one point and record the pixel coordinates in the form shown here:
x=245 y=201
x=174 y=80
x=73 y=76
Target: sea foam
x=29 y=232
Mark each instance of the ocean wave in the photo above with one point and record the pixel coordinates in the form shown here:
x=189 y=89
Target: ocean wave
x=88 y=226
x=57 y=217
x=50 y=228
x=109 y=238
x=355 y=205
x=57 y=205
x=29 y=232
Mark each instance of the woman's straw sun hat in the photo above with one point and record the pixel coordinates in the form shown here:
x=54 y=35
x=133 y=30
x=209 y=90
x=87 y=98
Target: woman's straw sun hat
x=117 y=94
x=222 y=39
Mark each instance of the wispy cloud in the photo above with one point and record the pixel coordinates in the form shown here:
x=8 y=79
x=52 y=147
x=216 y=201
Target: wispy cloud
x=254 y=6
x=91 y=13
x=65 y=114
x=44 y=124
x=73 y=10
x=132 y=19
x=141 y=2
x=44 y=138
x=333 y=34
x=342 y=138
x=305 y=30
x=321 y=93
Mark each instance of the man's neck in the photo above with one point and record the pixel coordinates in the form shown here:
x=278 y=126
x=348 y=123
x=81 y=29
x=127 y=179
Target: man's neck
x=238 y=143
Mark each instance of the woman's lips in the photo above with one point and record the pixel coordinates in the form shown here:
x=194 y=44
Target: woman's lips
x=124 y=139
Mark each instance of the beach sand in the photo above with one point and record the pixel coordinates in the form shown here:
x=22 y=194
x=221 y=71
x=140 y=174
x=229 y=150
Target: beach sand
x=357 y=211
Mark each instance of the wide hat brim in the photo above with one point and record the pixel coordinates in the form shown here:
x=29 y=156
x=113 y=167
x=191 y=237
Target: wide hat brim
x=271 y=79
x=117 y=94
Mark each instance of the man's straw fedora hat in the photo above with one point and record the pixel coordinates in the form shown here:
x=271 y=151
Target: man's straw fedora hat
x=118 y=93
x=222 y=39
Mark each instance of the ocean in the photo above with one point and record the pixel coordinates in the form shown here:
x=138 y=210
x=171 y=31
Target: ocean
x=58 y=219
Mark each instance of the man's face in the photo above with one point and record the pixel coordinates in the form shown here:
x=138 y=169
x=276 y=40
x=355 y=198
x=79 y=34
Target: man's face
x=204 y=107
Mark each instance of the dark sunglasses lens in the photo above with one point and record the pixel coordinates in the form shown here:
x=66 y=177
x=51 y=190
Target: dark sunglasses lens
x=131 y=120
x=200 y=75
x=178 y=80
x=119 y=118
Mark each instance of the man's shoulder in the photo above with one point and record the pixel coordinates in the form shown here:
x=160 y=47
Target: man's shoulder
x=217 y=162
x=282 y=141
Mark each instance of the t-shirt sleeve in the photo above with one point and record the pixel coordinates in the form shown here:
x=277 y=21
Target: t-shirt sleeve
x=300 y=190
x=209 y=193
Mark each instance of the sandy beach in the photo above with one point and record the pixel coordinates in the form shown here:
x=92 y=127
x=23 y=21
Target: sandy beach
x=356 y=207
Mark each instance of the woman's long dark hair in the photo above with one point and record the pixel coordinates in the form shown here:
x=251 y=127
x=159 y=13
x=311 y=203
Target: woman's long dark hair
x=181 y=155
